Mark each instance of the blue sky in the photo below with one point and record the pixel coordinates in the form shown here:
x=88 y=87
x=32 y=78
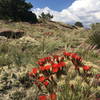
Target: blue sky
x=69 y=11
x=57 y=5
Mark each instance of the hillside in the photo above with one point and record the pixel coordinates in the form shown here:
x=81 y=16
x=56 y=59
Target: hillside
x=22 y=44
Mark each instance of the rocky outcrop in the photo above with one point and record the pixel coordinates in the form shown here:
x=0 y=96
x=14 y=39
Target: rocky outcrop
x=12 y=34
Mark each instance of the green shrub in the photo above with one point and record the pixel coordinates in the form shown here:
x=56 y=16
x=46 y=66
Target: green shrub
x=94 y=38
x=79 y=24
x=43 y=17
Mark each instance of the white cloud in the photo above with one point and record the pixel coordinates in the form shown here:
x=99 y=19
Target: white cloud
x=86 y=11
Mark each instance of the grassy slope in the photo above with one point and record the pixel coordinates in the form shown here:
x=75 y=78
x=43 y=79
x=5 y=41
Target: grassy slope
x=17 y=56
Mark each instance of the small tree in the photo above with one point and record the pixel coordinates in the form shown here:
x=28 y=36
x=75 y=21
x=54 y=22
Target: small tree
x=79 y=24
x=44 y=16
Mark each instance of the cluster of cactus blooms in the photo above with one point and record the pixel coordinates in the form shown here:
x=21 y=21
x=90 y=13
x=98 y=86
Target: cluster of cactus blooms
x=77 y=61
x=48 y=33
x=49 y=67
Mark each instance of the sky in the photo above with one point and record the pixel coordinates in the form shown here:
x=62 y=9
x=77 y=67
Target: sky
x=69 y=11
x=57 y=5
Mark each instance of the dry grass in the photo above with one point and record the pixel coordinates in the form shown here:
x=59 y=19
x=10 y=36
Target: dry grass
x=18 y=56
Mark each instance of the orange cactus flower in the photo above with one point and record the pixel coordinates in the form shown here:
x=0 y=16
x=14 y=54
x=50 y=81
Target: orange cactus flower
x=62 y=64
x=42 y=97
x=47 y=67
x=46 y=83
x=86 y=68
x=40 y=63
x=55 y=70
x=53 y=96
x=30 y=74
x=76 y=57
x=41 y=68
x=34 y=70
x=55 y=67
x=42 y=78
x=67 y=54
